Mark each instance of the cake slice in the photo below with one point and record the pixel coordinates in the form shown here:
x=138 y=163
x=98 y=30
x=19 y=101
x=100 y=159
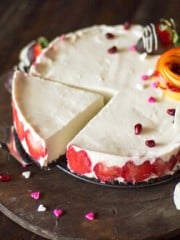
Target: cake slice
x=47 y=115
x=128 y=142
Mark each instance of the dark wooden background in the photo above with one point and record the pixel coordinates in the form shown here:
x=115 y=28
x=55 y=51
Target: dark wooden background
x=25 y=20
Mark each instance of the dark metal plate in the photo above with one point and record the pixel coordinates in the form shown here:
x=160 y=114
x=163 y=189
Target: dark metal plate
x=62 y=165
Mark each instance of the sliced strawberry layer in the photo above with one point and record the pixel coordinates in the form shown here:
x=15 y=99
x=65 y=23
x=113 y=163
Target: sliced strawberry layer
x=136 y=173
x=18 y=124
x=105 y=173
x=35 y=146
x=78 y=161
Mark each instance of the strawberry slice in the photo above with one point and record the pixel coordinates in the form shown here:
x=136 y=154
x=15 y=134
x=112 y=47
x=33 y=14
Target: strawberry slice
x=165 y=36
x=136 y=173
x=37 y=49
x=105 y=173
x=78 y=161
x=18 y=124
x=35 y=146
x=160 y=168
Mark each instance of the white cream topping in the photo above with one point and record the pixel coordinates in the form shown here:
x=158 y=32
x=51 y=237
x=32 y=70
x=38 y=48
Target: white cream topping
x=41 y=208
x=53 y=112
x=85 y=62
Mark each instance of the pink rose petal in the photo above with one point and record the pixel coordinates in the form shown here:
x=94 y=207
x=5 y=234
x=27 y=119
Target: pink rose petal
x=144 y=77
x=151 y=100
x=35 y=195
x=58 y=212
x=155 y=84
x=90 y=216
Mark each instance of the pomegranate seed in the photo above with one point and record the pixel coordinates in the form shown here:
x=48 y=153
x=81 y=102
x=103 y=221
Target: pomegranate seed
x=126 y=25
x=171 y=111
x=5 y=177
x=137 y=128
x=112 y=49
x=109 y=35
x=150 y=143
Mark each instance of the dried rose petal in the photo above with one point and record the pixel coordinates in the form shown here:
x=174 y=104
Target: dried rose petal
x=144 y=77
x=155 y=84
x=58 y=212
x=35 y=195
x=90 y=216
x=26 y=174
x=41 y=208
x=151 y=100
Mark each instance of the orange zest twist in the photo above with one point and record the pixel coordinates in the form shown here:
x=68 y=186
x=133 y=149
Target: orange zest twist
x=168 y=69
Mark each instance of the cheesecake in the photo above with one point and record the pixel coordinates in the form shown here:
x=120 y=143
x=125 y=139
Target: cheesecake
x=58 y=107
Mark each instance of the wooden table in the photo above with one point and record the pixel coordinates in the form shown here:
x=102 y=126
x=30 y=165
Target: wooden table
x=22 y=21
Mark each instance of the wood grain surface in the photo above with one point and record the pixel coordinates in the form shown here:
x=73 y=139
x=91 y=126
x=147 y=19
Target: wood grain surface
x=122 y=214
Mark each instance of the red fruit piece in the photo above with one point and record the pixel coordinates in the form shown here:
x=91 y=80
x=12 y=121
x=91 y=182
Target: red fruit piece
x=165 y=36
x=160 y=167
x=35 y=146
x=136 y=173
x=37 y=49
x=78 y=161
x=19 y=125
x=105 y=173
x=5 y=177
